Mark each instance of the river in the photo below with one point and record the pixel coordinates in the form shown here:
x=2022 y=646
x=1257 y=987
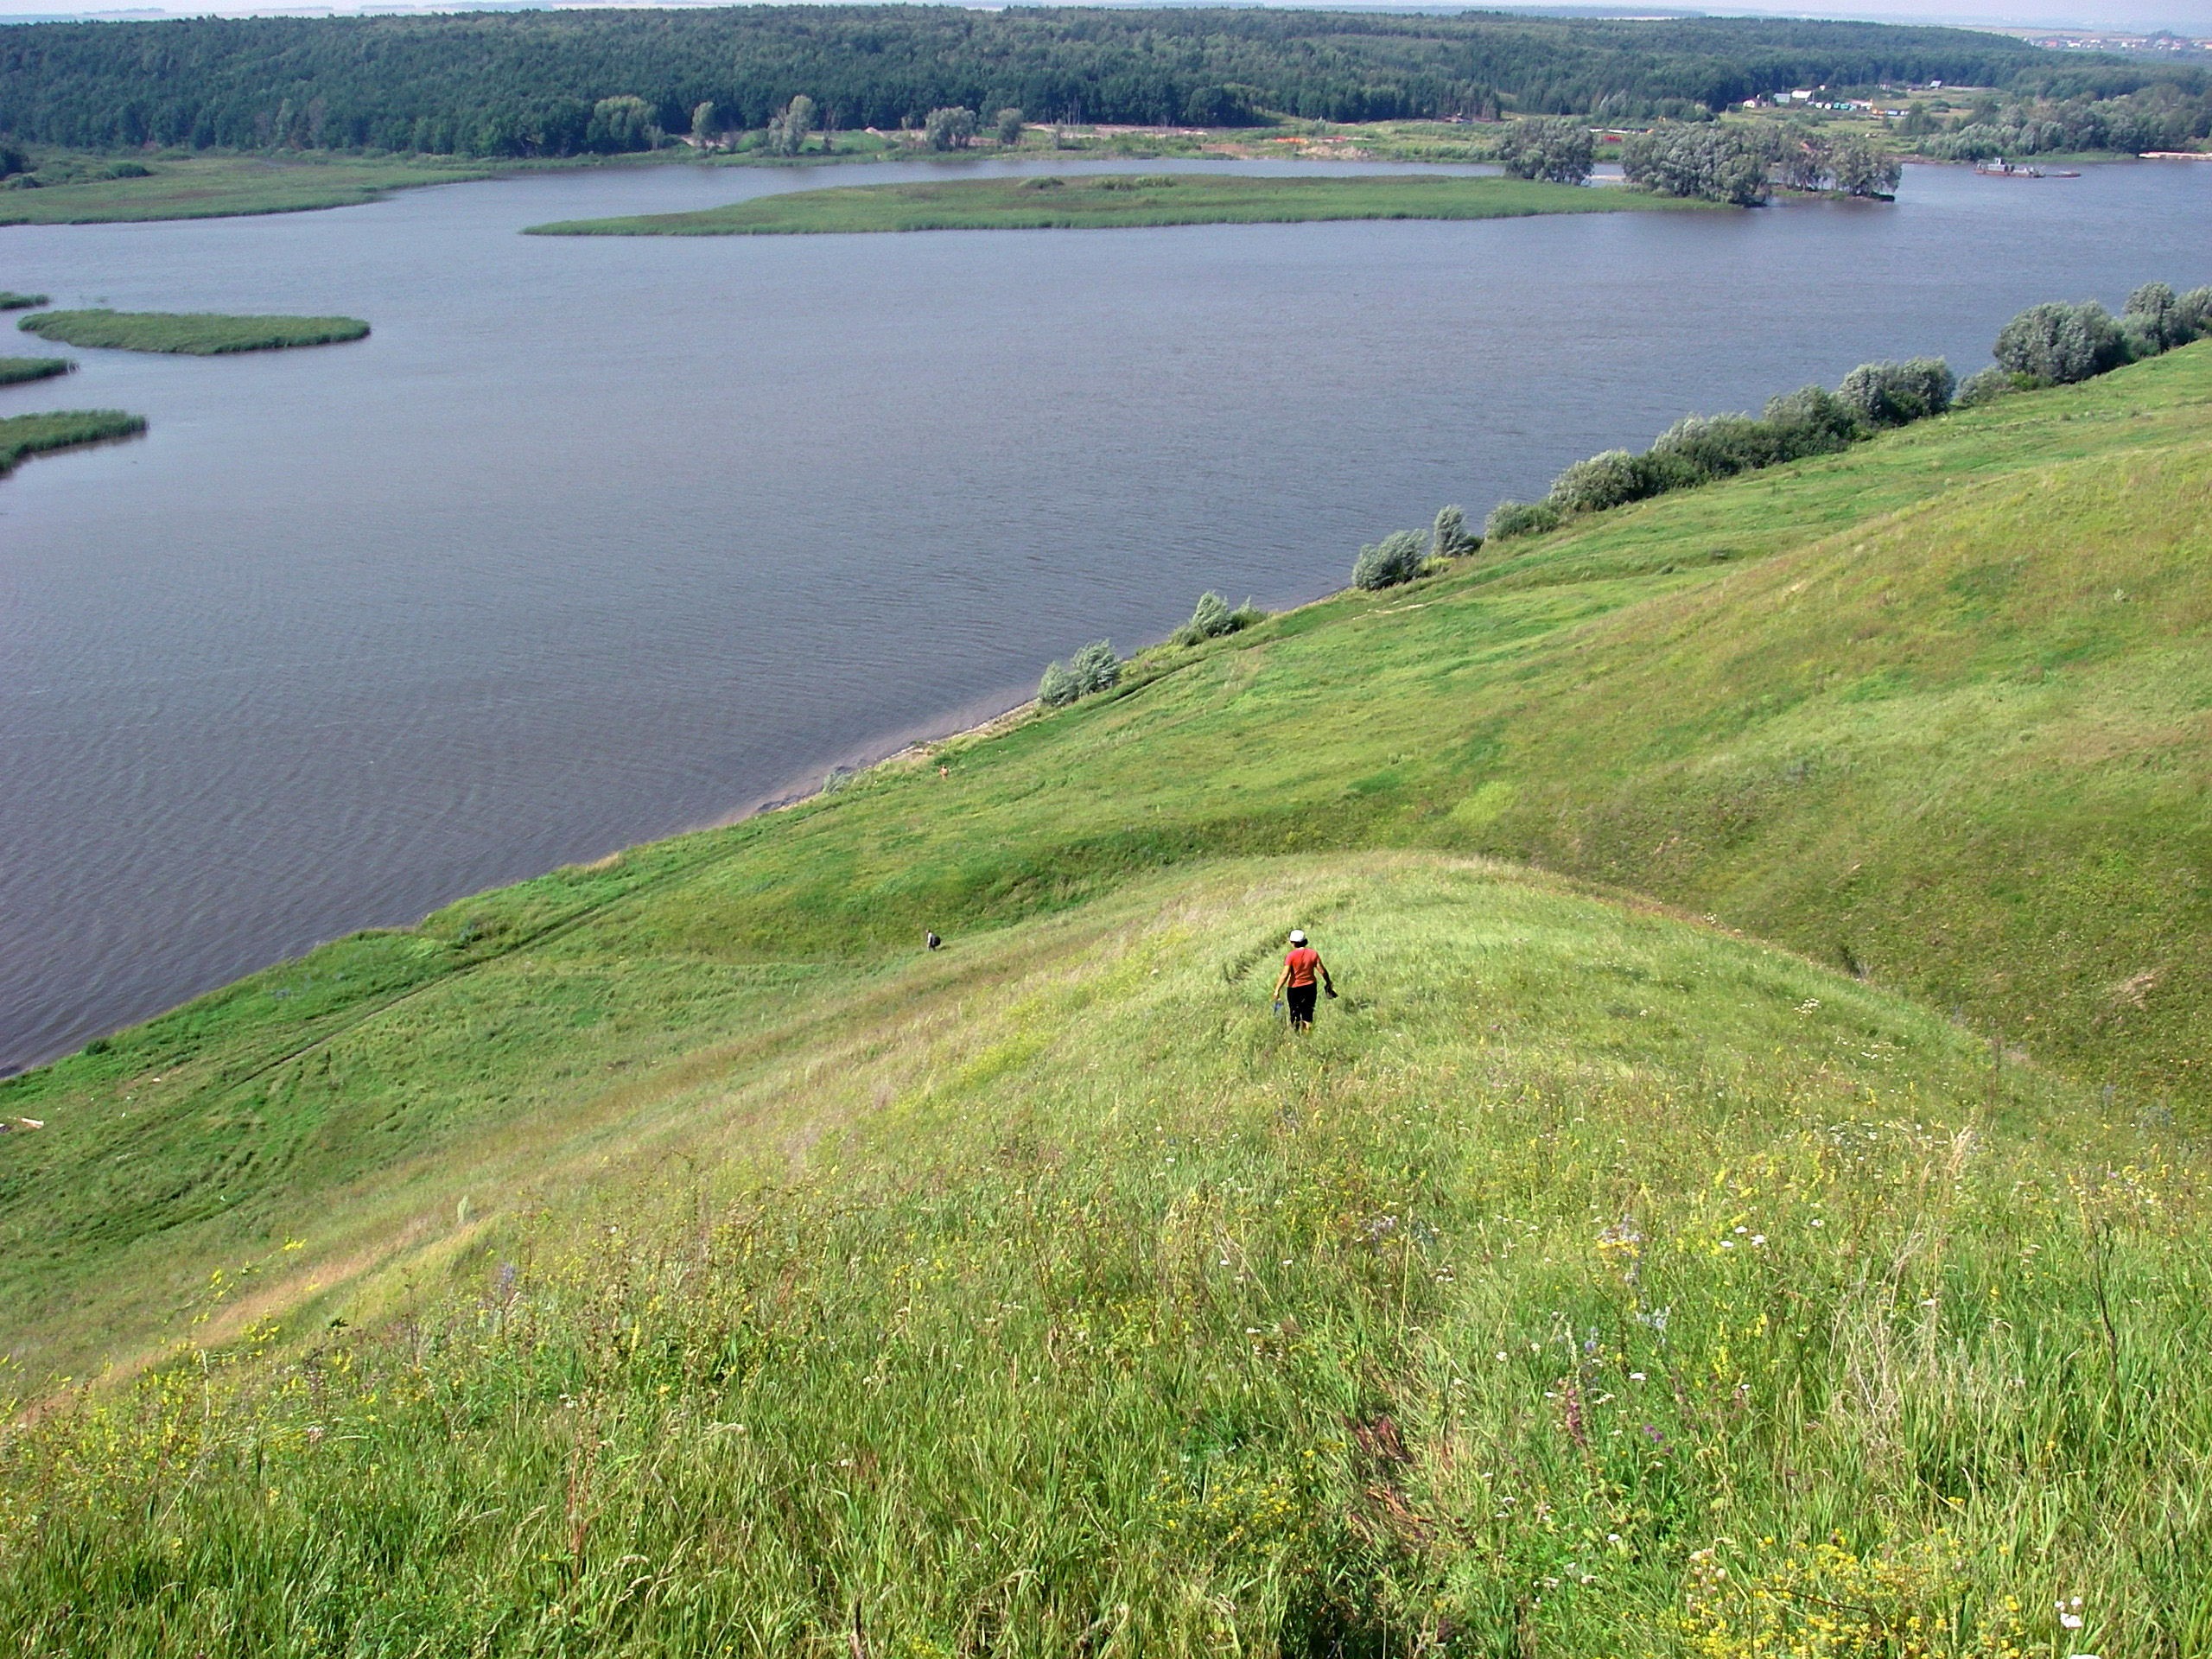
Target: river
x=594 y=540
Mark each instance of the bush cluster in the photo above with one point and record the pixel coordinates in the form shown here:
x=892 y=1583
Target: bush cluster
x=1706 y=163
x=1094 y=668
x=1698 y=448
x=1213 y=618
x=1403 y=555
x=1557 y=151
x=2046 y=345
x=1397 y=557
x=1740 y=163
x=2059 y=344
x=1808 y=159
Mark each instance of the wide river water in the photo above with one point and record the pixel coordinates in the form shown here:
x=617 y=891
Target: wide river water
x=594 y=540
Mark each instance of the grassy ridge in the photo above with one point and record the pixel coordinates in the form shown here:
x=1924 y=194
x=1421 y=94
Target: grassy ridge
x=15 y=371
x=1116 y=201
x=195 y=333
x=32 y=434
x=1046 y=1288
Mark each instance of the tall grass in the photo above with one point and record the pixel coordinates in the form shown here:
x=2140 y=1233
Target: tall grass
x=1588 y=1283
x=193 y=333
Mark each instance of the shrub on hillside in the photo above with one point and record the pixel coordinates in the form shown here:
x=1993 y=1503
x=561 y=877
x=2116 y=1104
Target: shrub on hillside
x=1700 y=447
x=1094 y=668
x=1898 y=394
x=1449 y=537
x=1213 y=619
x=1811 y=421
x=2157 y=320
x=1397 y=557
x=1609 y=479
x=2194 y=311
x=1057 y=687
x=1511 y=518
x=2059 y=344
x=1986 y=387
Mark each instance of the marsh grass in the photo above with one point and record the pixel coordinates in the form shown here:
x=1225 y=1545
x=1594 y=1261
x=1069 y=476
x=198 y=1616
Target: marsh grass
x=13 y=371
x=33 y=434
x=1588 y=1282
x=1112 y=201
x=192 y=333
x=11 y=301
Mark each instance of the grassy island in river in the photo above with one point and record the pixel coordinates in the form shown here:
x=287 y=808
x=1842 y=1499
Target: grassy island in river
x=13 y=371
x=669 y=1254
x=1121 y=201
x=215 y=186
x=33 y=434
x=195 y=333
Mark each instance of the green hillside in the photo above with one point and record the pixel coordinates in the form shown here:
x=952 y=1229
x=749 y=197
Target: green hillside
x=666 y=1255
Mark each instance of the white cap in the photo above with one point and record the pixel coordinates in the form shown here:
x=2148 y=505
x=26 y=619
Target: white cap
x=1297 y=937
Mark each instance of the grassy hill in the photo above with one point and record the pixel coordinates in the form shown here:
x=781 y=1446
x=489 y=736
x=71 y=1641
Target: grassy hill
x=664 y=1254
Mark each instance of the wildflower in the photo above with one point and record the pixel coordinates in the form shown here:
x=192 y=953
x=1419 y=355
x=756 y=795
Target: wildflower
x=2069 y=1617
x=1757 y=1239
x=1633 y=1377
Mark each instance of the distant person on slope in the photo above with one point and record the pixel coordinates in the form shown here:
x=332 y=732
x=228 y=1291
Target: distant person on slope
x=1299 y=968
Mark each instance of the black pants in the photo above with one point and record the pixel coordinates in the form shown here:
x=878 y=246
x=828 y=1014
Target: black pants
x=1301 y=1004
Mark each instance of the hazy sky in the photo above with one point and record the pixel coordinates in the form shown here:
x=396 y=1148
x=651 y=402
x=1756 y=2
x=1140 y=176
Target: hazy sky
x=2183 y=16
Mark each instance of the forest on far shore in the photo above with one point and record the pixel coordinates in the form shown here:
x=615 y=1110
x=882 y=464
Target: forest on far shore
x=534 y=83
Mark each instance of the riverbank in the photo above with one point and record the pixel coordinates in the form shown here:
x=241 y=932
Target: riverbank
x=1122 y=201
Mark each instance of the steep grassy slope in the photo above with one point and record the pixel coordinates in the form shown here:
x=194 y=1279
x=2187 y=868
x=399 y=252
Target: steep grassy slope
x=1589 y=1283
x=1931 y=709
x=666 y=1255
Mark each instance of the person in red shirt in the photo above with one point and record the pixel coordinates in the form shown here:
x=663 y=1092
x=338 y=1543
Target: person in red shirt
x=1299 y=969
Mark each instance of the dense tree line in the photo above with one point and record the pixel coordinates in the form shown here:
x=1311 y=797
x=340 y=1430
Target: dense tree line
x=561 y=83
